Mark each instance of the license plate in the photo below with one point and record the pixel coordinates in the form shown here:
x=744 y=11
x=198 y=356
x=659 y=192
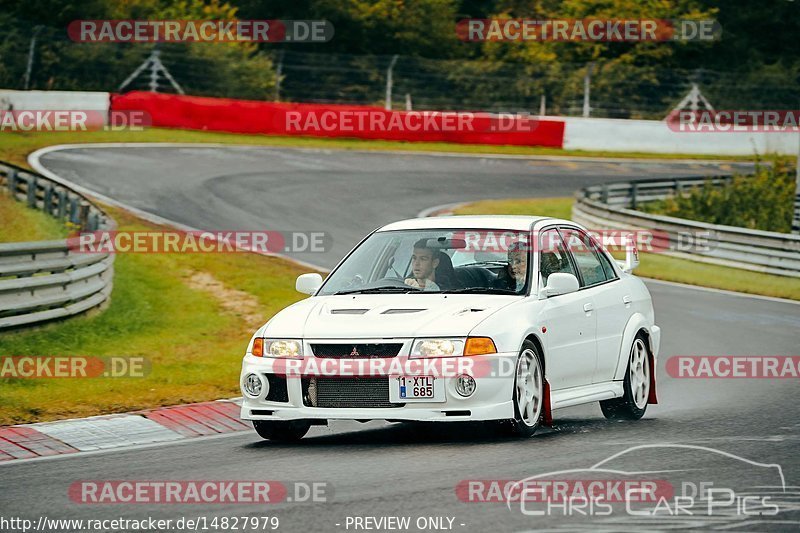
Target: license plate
x=416 y=389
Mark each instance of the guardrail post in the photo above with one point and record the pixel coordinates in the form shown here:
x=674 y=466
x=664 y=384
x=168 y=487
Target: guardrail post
x=83 y=216
x=32 y=191
x=678 y=188
x=62 y=204
x=634 y=192
x=48 y=198
x=604 y=193
x=73 y=210
x=12 y=183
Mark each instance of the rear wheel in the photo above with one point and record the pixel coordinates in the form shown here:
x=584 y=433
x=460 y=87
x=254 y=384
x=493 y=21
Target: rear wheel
x=528 y=392
x=283 y=430
x=636 y=386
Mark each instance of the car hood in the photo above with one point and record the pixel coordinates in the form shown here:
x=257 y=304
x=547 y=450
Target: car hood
x=385 y=315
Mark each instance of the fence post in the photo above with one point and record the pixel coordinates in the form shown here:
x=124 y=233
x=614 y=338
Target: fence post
x=32 y=191
x=279 y=76
x=47 y=207
x=587 y=108
x=62 y=204
x=389 y=83
x=83 y=214
x=12 y=183
x=73 y=210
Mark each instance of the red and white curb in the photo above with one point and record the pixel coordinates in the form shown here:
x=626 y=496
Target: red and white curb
x=162 y=425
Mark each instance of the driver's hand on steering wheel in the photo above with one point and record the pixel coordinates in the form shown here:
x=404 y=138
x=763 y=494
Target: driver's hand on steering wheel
x=412 y=282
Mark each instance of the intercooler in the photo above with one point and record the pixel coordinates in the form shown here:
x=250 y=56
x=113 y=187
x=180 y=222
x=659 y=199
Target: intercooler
x=347 y=392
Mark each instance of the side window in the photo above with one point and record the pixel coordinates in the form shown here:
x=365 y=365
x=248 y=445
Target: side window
x=553 y=256
x=607 y=266
x=583 y=250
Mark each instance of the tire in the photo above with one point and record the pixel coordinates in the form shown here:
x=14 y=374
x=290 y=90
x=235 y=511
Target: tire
x=528 y=395
x=282 y=431
x=636 y=385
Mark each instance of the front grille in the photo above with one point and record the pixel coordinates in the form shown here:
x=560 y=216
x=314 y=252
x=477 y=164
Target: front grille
x=347 y=392
x=356 y=350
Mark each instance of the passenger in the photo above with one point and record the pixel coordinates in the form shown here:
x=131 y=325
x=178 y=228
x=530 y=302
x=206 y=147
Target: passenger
x=513 y=276
x=424 y=261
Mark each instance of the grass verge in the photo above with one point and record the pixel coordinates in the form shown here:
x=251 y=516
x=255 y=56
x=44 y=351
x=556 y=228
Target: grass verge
x=188 y=315
x=656 y=266
x=14 y=147
x=18 y=223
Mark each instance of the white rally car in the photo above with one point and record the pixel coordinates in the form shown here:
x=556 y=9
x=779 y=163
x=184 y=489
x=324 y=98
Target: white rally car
x=458 y=318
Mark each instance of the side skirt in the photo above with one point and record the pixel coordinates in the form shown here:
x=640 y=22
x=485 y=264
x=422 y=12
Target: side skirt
x=586 y=394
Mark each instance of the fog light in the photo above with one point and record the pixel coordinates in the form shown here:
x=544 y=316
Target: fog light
x=465 y=385
x=253 y=385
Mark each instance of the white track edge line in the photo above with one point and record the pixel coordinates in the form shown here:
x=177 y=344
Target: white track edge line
x=532 y=157
x=36 y=164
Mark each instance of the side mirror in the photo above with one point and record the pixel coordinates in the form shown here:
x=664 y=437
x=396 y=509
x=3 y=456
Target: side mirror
x=631 y=254
x=308 y=283
x=559 y=283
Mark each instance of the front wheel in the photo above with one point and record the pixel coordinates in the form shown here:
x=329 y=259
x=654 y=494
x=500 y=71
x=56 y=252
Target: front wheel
x=636 y=386
x=283 y=430
x=528 y=392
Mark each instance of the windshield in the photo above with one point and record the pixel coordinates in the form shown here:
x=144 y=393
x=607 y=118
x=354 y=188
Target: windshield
x=438 y=261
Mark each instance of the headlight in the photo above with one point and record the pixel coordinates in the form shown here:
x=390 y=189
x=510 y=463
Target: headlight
x=283 y=348
x=423 y=348
x=437 y=348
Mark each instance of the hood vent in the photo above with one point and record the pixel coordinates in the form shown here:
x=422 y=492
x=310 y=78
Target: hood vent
x=470 y=310
x=401 y=311
x=348 y=311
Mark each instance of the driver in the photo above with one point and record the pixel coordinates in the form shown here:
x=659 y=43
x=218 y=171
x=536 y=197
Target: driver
x=513 y=276
x=424 y=261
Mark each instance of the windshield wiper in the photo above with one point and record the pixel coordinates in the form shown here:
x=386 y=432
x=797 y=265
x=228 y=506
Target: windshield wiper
x=487 y=262
x=375 y=290
x=485 y=290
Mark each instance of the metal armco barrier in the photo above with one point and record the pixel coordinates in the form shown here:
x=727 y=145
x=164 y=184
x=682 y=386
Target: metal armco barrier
x=613 y=206
x=45 y=280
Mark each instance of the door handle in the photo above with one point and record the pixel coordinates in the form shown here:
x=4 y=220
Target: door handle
x=588 y=307
x=626 y=299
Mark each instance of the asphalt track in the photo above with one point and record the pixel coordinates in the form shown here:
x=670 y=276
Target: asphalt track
x=379 y=469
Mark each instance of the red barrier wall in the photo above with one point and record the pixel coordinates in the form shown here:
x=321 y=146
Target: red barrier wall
x=365 y=122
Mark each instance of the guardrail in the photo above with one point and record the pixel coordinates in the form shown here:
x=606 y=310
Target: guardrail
x=613 y=206
x=45 y=280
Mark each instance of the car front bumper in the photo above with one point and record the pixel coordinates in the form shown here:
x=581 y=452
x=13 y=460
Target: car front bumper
x=490 y=401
